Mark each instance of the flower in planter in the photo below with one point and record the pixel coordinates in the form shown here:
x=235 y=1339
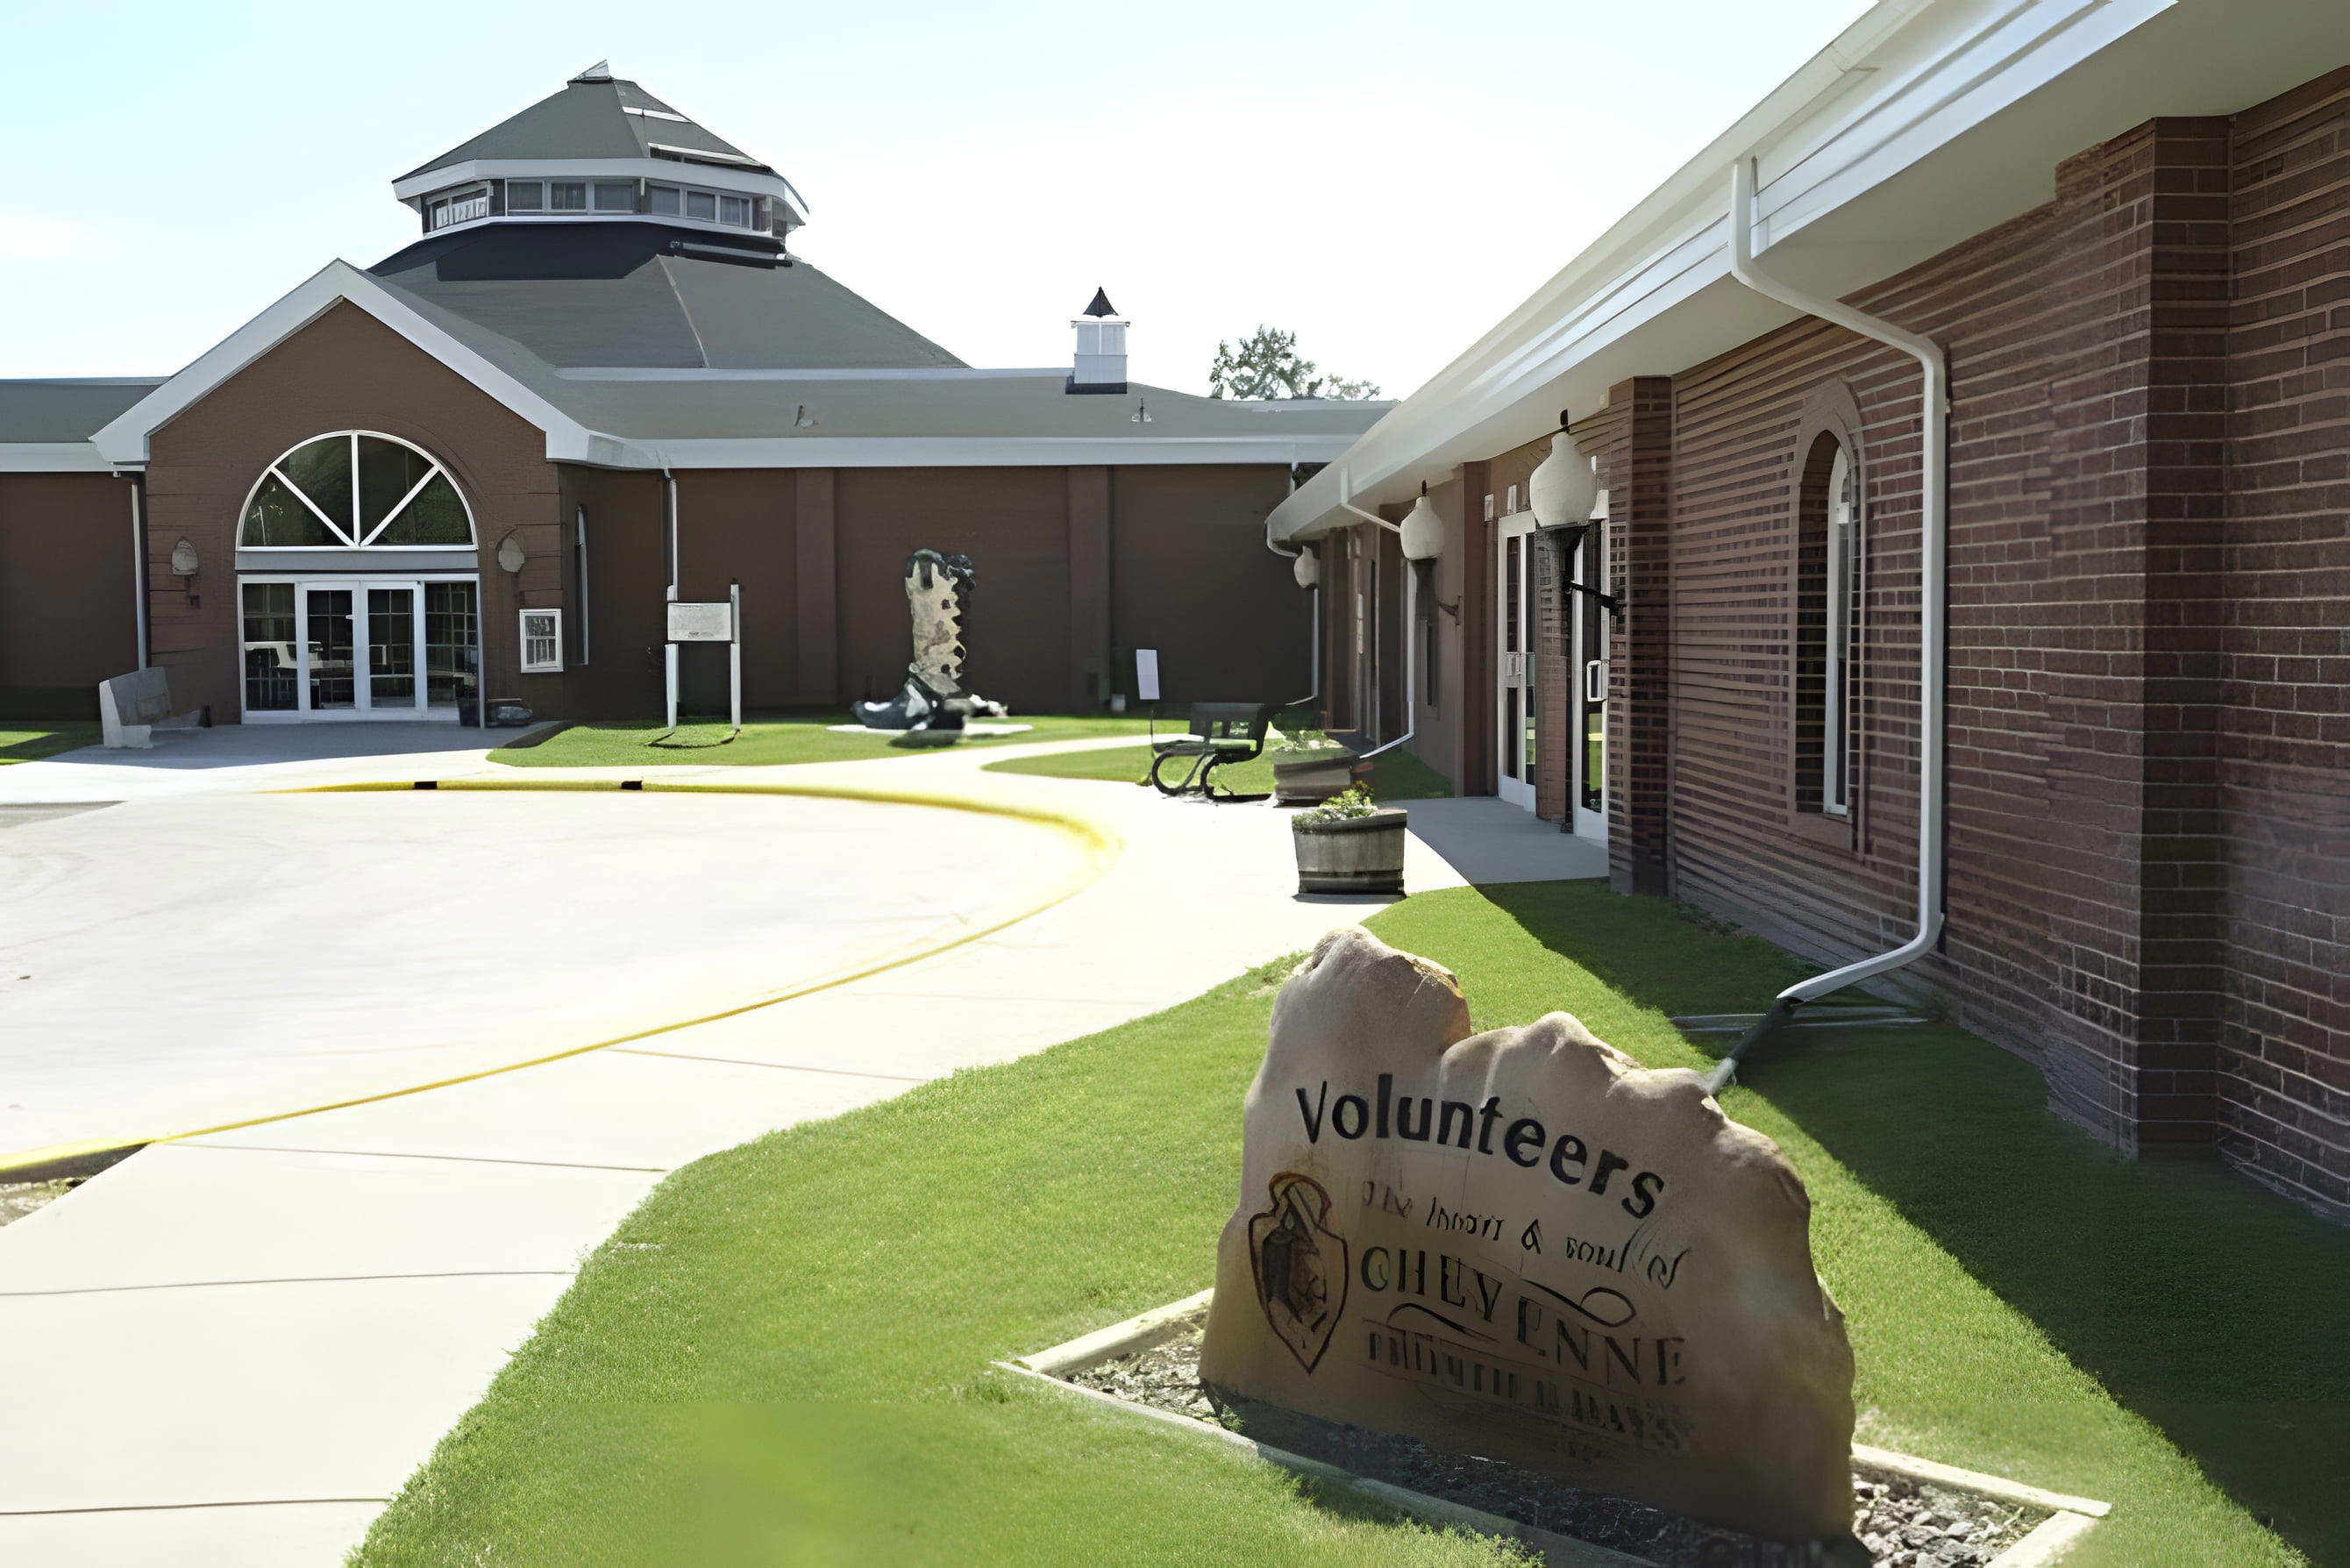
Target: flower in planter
x=1348 y=804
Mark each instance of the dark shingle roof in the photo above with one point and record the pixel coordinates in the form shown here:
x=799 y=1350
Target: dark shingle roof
x=586 y=120
x=67 y=410
x=618 y=294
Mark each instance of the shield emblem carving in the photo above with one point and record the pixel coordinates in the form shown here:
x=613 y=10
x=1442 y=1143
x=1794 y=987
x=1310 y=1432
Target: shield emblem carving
x=1300 y=1265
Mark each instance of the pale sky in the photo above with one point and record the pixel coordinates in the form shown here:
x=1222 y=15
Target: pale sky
x=1387 y=179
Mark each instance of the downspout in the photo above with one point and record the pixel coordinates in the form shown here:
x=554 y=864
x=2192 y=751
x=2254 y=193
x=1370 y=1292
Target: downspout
x=138 y=566
x=669 y=534
x=1410 y=618
x=1932 y=628
x=1314 y=612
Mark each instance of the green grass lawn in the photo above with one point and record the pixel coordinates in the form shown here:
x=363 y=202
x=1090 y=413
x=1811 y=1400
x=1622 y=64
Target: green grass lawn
x=775 y=738
x=29 y=740
x=1395 y=775
x=782 y=1356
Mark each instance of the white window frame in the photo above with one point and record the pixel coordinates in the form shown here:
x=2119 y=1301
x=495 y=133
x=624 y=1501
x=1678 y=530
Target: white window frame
x=1835 y=707
x=538 y=204
x=596 y=188
x=551 y=634
x=587 y=196
x=459 y=204
x=434 y=466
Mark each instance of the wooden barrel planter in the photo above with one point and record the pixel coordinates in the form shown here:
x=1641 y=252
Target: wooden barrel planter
x=1353 y=855
x=1309 y=778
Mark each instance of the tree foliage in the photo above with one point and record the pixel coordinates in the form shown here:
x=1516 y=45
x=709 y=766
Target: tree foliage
x=1267 y=365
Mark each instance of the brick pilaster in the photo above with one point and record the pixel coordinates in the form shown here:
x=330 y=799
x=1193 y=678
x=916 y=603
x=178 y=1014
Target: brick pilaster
x=2137 y=475
x=1636 y=465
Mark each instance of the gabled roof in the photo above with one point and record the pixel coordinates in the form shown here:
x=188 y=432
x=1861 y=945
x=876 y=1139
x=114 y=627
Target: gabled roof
x=625 y=294
x=590 y=117
x=696 y=416
x=67 y=409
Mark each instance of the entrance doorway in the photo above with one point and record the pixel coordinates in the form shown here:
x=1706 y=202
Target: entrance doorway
x=1587 y=622
x=1518 y=630
x=1516 y=625
x=353 y=648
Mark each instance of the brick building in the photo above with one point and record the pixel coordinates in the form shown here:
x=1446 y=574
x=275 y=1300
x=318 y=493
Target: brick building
x=475 y=471
x=2127 y=230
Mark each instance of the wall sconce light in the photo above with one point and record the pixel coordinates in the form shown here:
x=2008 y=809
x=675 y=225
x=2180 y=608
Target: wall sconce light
x=1308 y=567
x=511 y=554
x=1141 y=415
x=1421 y=538
x=1562 y=491
x=186 y=563
x=802 y=419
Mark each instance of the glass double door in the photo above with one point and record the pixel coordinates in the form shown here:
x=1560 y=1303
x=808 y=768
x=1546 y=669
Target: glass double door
x=360 y=648
x=1521 y=630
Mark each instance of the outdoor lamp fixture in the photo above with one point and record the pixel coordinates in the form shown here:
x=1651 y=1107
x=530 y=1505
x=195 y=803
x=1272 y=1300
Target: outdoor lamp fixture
x=1421 y=537
x=510 y=553
x=1562 y=490
x=184 y=564
x=1141 y=415
x=1308 y=567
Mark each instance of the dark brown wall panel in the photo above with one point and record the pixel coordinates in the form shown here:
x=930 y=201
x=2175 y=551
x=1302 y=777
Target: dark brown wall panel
x=1013 y=524
x=1190 y=577
x=67 y=609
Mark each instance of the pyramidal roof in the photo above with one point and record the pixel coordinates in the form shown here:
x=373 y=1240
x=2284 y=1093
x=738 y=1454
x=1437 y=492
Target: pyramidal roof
x=597 y=115
x=1101 y=304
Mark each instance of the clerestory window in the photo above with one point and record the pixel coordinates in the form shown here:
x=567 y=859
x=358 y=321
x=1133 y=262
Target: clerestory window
x=356 y=490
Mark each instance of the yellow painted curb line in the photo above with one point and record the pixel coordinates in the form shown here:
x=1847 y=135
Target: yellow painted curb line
x=1102 y=845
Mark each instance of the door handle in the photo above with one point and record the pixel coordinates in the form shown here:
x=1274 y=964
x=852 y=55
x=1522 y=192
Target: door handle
x=1594 y=680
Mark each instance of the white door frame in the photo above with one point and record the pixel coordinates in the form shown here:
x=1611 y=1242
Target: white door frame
x=363 y=709
x=1514 y=670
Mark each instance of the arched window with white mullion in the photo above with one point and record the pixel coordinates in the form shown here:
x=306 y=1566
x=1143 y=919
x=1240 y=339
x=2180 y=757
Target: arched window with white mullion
x=356 y=490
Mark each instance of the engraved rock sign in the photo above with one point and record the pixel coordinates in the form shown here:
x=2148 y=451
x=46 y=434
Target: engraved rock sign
x=1523 y=1245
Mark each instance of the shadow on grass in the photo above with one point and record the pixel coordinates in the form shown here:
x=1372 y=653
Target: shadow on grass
x=2205 y=1305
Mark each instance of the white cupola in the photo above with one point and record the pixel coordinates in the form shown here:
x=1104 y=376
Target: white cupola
x=1100 y=363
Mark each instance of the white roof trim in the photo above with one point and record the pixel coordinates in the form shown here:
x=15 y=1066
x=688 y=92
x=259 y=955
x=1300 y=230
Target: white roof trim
x=124 y=442
x=51 y=457
x=991 y=451
x=1901 y=83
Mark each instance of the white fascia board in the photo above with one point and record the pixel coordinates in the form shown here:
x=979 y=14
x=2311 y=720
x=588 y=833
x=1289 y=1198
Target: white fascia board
x=124 y=442
x=1903 y=80
x=667 y=171
x=52 y=457
x=987 y=452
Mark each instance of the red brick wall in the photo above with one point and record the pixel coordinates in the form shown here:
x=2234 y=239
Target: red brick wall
x=2148 y=845
x=2282 y=644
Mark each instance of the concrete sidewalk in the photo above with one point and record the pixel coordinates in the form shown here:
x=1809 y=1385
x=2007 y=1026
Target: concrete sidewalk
x=232 y=1350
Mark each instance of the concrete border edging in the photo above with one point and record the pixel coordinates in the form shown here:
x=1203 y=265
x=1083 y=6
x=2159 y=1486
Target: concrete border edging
x=1101 y=844
x=2068 y=1521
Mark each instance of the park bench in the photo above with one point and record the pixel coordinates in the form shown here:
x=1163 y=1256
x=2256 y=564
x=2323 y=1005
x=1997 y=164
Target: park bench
x=131 y=708
x=1222 y=733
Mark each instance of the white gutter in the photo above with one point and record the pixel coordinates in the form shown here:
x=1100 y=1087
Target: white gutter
x=1933 y=465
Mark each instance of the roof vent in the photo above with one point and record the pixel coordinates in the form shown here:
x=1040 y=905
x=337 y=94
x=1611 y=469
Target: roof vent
x=1100 y=364
x=601 y=71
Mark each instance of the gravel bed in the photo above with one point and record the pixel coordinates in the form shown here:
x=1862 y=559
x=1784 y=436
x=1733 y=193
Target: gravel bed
x=18 y=1199
x=1899 y=1523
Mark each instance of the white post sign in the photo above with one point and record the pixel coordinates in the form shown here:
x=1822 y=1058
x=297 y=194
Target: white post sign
x=715 y=622
x=1146 y=674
